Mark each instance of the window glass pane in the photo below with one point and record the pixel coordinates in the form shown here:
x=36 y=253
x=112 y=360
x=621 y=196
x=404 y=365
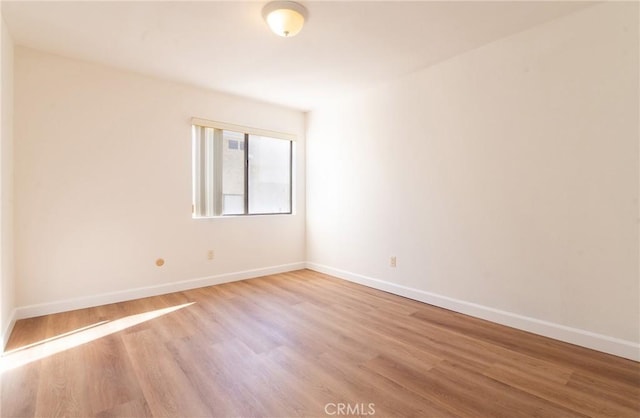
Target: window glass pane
x=232 y=174
x=269 y=175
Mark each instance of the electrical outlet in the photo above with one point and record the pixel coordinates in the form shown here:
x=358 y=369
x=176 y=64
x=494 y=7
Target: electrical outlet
x=210 y=255
x=392 y=261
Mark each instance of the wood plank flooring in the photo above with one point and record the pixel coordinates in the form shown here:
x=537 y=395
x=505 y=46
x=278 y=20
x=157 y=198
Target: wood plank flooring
x=301 y=344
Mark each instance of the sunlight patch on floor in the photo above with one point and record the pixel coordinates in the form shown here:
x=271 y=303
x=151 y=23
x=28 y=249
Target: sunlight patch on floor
x=42 y=349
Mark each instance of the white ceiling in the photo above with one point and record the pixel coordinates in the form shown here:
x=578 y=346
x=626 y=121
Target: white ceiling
x=226 y=46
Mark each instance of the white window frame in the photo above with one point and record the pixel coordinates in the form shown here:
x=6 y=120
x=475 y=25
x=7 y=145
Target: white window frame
x=212 y=184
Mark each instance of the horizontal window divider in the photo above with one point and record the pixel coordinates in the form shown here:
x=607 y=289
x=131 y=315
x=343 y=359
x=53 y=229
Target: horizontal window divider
x=240 y=128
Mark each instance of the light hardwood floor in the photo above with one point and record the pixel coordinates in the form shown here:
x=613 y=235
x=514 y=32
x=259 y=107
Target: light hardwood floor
x=299 y=344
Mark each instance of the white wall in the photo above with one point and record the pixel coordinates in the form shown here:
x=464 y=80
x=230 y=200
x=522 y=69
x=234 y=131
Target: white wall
x=103 y=185
x=7 y=284
x=505 y=180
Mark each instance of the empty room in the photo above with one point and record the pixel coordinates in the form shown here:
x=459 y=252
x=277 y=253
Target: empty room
x=320 y=209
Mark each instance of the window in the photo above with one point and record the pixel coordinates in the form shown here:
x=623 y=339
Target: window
x=240 y=171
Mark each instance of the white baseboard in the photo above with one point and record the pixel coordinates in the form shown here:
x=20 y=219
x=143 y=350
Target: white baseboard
x=143 y=292
x=599 y=342
x=6 y=333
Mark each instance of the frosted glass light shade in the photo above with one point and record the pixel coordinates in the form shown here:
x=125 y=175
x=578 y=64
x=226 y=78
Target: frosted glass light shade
x=285 y=18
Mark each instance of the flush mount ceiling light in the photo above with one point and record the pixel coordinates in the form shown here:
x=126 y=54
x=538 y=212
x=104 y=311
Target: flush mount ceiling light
x=285 y=18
